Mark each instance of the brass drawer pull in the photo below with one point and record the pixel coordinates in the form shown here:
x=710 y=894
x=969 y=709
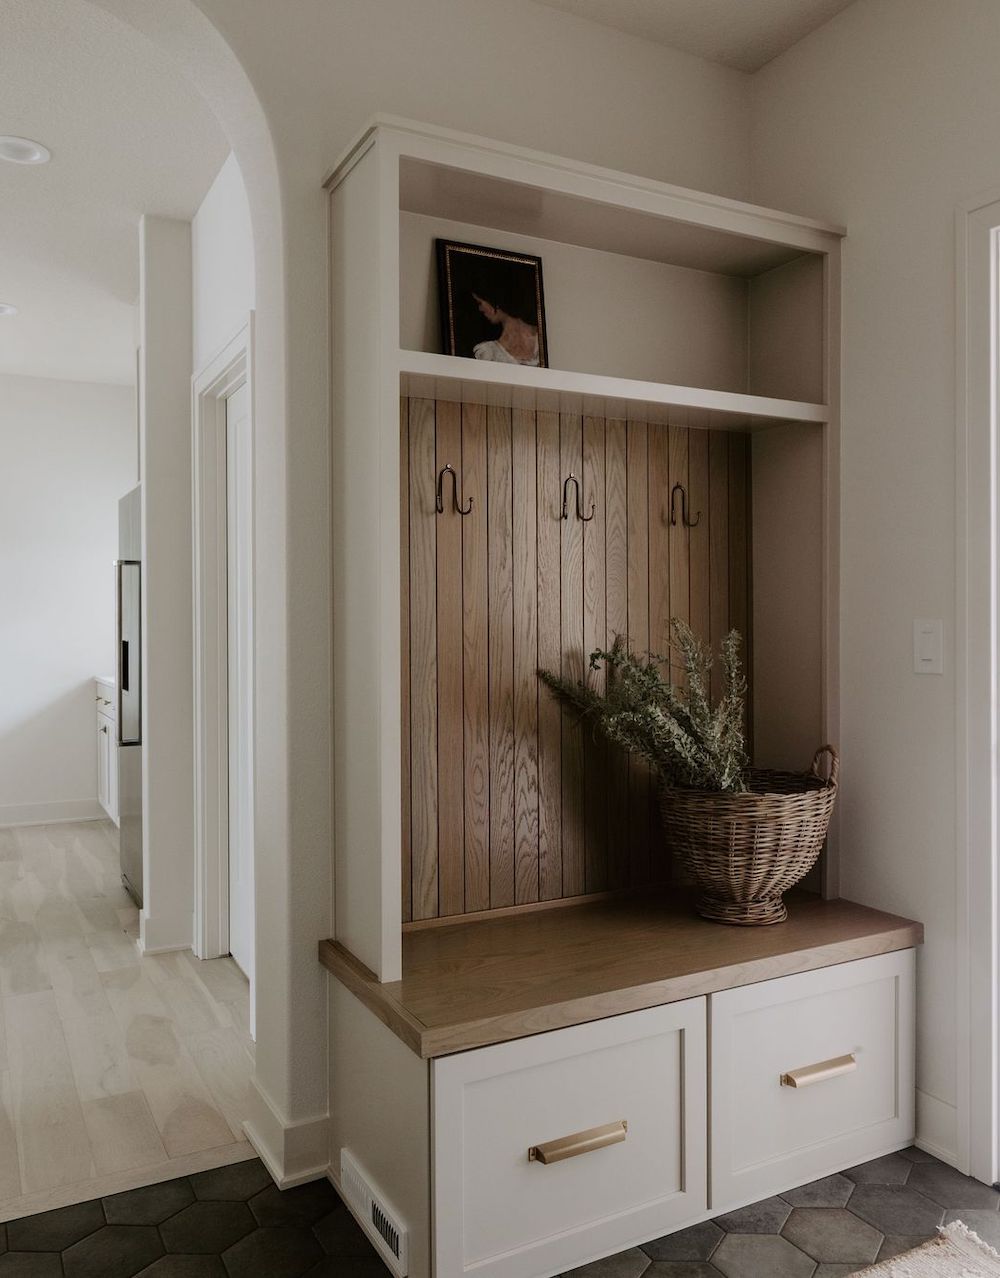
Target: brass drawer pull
x=819 y=1073
x=554 y=1151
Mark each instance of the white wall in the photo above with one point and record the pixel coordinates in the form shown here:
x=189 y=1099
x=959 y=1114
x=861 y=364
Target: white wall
x=885 y=120
x=165 y=317
x=515 y=71
x=222 y=264
x=68 y=453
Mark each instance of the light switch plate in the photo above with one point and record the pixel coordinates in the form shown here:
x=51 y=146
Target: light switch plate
x=928 y=647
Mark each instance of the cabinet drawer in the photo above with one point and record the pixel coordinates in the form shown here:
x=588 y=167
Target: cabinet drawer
x=845 y=1035
x=503 y=1213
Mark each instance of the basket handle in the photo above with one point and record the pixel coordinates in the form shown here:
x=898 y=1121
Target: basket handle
x=834 y=765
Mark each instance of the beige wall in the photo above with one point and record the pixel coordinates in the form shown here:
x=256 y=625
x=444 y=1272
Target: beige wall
x=885 y=120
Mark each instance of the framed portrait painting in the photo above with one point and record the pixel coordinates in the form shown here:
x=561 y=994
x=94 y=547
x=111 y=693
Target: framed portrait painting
x=492 y=304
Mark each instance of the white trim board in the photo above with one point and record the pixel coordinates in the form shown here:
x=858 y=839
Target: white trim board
x=231 y=368
x=51 y=813
x=977 y=664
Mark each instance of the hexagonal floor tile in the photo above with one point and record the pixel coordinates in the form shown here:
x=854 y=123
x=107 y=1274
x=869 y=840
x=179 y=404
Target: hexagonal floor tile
x=753 y=1255
x=31 y=1264
x=917 y=1155
x=234 y=1183
x=890 y=1170
x=333 y=1267
x=896 y=1209
x=340 y=1234
x=837 y=1271
x=698 y=1242
x=303 y=1205
x=116 y=1251
x=949 y=1188
x=279 y=1253
x=985 y=1223
x=150 y=1205
x=207 y=1228
x=55 y=1230
x=831 y=1191
x=626 y=1264
x=185 y=1267
x=681 y=1269
x=895 y=1245
x=765 y=1217
x=832 y=1234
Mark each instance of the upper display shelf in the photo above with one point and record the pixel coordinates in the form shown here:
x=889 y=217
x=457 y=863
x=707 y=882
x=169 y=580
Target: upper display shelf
x=472 y=381
x=452 y=175
x=435 y=190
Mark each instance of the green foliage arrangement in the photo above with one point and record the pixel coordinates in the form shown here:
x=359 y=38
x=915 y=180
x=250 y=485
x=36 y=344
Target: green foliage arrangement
x=686 y=740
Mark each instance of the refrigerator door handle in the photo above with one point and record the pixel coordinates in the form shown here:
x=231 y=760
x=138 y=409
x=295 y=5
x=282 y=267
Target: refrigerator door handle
x=118 y=632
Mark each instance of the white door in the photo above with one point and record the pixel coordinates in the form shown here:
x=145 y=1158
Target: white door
x=239 y=490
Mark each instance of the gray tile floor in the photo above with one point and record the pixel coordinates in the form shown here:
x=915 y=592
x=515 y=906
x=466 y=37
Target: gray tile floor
x=234 y=1223
x=833 y=1227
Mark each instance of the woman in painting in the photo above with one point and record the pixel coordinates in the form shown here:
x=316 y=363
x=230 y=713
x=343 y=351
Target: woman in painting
x=517 y=342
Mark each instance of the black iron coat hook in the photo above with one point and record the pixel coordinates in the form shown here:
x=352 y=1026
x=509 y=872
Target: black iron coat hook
x=449 y=469
x=688 y=523
x=572 y=479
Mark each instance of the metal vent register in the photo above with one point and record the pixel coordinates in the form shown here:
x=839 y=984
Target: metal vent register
x=378 y=1219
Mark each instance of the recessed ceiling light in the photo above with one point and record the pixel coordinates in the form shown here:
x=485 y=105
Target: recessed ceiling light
x=7 y=309
x=23 y=151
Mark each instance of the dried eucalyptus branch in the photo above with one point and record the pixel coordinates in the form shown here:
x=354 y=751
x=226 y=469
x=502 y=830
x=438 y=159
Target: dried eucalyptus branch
x=686 y=740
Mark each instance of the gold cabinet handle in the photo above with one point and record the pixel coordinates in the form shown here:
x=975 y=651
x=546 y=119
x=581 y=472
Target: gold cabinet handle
x=820 y=1072
x=554 y=1151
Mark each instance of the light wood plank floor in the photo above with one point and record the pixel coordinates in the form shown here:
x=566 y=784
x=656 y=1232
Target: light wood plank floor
x=116 y=1069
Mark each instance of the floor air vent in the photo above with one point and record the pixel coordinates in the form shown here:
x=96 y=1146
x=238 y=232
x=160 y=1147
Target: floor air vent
x=382 y=1225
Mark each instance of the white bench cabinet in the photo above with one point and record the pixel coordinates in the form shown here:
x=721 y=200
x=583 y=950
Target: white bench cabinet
x=810 y=1074
x=553 y=1150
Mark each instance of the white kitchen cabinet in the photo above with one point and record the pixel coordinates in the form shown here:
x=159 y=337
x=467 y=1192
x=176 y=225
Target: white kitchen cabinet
x=107 y=747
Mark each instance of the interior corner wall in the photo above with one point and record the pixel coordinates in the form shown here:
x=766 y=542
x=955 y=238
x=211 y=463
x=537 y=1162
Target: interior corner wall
x=886 y=120
x=222 y=266
x=167 y=611
x=68 y=451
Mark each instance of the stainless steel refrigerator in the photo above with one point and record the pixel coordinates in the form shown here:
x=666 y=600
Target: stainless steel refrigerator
x=129 y=663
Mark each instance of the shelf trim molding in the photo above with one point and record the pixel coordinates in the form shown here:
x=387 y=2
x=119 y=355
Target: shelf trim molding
x=450 y=377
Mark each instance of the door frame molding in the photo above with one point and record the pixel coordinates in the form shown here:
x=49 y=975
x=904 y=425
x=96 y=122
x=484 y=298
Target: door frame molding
x=224 y=374
x=977 y=679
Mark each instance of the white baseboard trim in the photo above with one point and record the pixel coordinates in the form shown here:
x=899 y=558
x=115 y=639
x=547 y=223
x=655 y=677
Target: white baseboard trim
x=51 y=813
x=155 y=938
x=293 y=1152
x=937 y=1128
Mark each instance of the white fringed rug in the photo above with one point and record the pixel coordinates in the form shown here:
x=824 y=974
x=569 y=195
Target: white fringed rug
x=955 y=1253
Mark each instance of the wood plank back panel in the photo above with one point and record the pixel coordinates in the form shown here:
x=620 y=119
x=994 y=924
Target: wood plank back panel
x=475 y=662
x=450 y=686
x=549 y=496
x=423 y=662
x=507 y=800
x=525 y=603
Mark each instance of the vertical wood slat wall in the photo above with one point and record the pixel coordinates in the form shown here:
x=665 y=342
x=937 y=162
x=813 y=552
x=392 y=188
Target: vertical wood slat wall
x=507 y=801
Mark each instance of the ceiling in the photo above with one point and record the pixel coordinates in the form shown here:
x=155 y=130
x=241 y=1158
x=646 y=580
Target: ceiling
x=128 y=136
x=738 y=33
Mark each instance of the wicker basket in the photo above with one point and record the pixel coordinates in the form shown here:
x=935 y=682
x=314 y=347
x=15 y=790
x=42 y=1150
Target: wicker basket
x=744 y=850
